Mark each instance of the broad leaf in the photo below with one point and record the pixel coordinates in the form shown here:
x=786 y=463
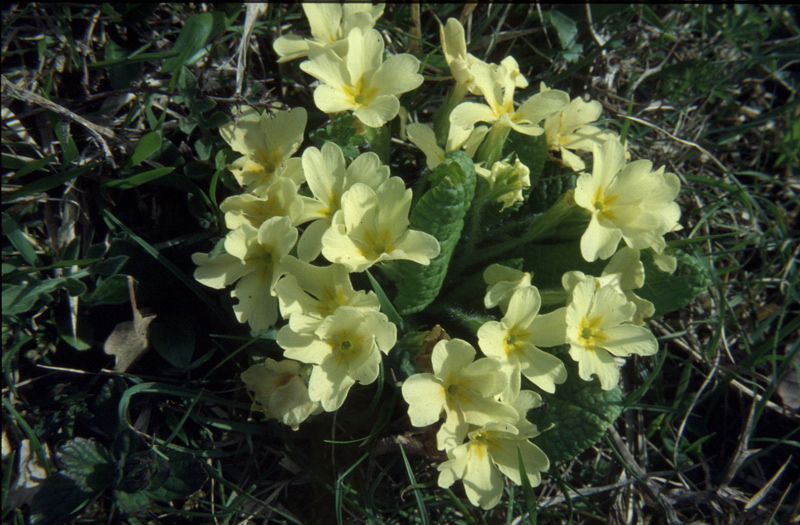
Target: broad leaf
x=439 y=212
x=576 y=416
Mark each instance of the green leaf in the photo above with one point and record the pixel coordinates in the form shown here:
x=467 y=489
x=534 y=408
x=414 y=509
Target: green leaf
x=112 y=290
x=576 y=416
x=30 y=167
x=549 y=262
x=567 y=31
x=18 y=239
x=216 y=119
x=132 y=503
x=386 y=305
x=146 y=147
x=17 y=299
x=566 y=28
x=139 y=179
x=89 y=464
x=74 y=287
x=109 y=266
x=670 y=292
x=195 y=34
x=531 y=151
x=121 y=71
x=173 y=337
x=552 y=183
x=341 y=132
x=49 y=182
x=439 y=212
x=203 y=146
x=22 y=297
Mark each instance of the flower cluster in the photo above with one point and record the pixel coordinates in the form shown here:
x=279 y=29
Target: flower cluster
x=294 y=209
x=481 y=401
x=305 y=221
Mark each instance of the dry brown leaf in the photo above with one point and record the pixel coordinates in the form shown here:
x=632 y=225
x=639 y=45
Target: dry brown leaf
x=423 y=358
x=788 y=389
x=129 y=339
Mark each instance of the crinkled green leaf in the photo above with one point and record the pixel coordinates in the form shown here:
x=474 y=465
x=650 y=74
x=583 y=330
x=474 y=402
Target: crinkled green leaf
x=89 y=464
x=531 y=151
x=672 y=292
x=439 y=212
x=552 y=183
x=576 y=416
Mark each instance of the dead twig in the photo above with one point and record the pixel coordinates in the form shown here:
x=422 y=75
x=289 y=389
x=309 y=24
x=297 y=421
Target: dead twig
x=98 y=132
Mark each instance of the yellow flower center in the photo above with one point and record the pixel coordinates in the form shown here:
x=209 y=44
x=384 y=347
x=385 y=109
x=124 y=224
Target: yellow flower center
x=360 y=95
x=514 y=342
x=332 y=297
x=604 y=203
x=269 y=160
x=589 y=333
x=457 y=391
x=482 y=442
x=376 y=244
x=346 y=347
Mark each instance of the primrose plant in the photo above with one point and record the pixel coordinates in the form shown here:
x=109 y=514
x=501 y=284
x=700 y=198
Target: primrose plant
x=513 y=188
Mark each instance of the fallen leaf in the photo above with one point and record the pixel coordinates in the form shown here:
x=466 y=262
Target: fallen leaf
x=29 y=479
x=129 y=339
x=788 y=388
x=423 y=358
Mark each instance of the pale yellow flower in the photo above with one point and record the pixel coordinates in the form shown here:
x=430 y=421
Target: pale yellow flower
x=624 y=270
x=328 y=179
x=515 y=340
x=627 y=201
x=253 y=257
x=424 y=138
x=570 y=130
x=330 y=24
x=508 y=180
x=308 y=294
x=362 y=82
x=462 y=63
x=279 y=391
x=502 y=282
x=372 y=226
x=344 y=349
x=497 y=86
x=599 y=328
x=273 y=200
x=463 y=389
x=492 y=450
x=267 y=142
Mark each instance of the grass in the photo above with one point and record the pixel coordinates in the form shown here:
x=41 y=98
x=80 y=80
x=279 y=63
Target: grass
x=113 y=166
